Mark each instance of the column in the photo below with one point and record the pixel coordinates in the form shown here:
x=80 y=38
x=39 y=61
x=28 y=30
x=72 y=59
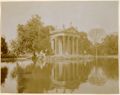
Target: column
x=77 y=46
x=53 y=45
x=68 y=45
x=57 y=49
x=59 y=45
x=73 y=44
x=64 y=50
x=56 y=45
x=65 y=45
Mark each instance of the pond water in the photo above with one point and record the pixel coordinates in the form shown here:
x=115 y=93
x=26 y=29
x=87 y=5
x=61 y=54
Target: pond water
x=73 y=76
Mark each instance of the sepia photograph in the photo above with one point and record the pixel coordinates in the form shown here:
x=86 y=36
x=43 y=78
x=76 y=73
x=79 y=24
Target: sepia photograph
x=60 y=47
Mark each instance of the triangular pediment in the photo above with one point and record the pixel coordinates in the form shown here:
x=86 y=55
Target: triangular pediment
x=71 y=30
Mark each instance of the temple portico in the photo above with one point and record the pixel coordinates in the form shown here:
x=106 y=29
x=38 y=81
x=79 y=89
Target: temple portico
x=65 y=42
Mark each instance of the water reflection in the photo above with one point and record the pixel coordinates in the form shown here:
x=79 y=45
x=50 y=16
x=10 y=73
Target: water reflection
x=65 y=77
x=4 y=72
x=33 y=78
x=70 y=74
x=97 y=76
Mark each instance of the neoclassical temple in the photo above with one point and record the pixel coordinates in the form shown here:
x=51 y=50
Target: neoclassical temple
x=65 y=42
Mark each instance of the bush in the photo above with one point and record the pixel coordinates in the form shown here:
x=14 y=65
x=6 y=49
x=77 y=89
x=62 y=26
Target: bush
x=8 y=58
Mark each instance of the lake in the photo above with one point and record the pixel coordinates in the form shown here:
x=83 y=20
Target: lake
x=67 y=76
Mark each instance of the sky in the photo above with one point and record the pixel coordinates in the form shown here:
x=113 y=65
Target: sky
x=84 y=16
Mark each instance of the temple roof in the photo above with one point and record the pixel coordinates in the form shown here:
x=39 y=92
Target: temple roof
x=71 y=29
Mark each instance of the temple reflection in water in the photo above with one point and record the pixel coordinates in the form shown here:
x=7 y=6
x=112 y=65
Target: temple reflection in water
x=67 y=78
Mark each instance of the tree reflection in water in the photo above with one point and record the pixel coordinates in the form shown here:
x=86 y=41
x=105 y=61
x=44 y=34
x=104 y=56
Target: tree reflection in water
x=34 y=79
x=97 y=76
x=110 y=67
x=103 y=69
x=4 y=72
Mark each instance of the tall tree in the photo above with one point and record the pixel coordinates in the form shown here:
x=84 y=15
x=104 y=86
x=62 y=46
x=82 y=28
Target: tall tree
x=109 y=46
x=33 y=36
x=96 y=35
x=85 y=45
x=4 y=47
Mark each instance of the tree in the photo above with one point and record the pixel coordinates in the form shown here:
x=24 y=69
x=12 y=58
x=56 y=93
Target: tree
x=15 y=47
x=85 y=46
x=4 y=47
x=109 y=46
x=33 y=36
x=96 y=35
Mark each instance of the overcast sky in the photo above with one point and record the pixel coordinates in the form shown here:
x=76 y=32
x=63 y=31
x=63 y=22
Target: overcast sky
x=83 y=15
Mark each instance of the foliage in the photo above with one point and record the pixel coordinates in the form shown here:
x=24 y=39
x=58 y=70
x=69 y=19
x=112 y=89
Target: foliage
x=32 y=37
x=8 y=58
x=109 y=46
x=4 y=47
x=85 y=46
x=96 y=35
x=15 y=47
